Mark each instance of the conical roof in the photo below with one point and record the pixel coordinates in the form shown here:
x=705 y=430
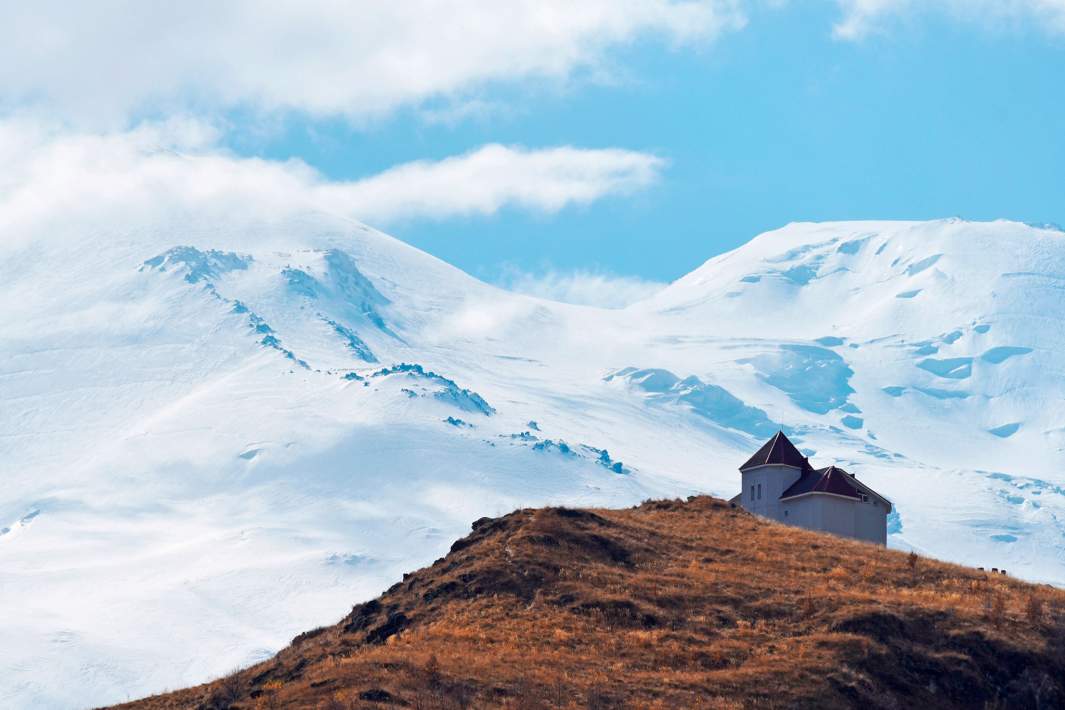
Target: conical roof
x=778 y=450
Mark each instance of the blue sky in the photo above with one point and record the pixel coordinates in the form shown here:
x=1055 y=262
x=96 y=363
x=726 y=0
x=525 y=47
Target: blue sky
x=778 y=122
x=691 y=125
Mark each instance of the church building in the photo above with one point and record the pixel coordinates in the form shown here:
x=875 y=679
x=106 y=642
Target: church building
x=779 y=483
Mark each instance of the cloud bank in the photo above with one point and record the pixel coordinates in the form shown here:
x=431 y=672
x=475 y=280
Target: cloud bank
x=56 y=180
x=864 y=17
x=106 y=61
x=112 y=63
x=494 y=176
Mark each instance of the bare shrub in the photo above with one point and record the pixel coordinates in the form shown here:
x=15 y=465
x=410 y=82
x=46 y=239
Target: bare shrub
x=559 y=694
x=598 y=699
x=334 y=703
x=528 y=697
x=225 y=693
x=1033 y=608
x=995 y=608
x=432 y=672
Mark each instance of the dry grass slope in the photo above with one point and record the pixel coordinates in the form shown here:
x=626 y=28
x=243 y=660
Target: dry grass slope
x=669 y=605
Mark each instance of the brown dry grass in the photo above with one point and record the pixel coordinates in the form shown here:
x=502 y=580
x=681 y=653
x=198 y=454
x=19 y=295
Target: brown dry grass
x=669 y=605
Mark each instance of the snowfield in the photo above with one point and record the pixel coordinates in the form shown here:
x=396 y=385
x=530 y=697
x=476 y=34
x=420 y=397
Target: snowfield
x=215 y=437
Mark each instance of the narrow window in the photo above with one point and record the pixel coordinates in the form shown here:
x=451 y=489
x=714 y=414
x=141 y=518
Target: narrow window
x=752 y=492
x=785 y=513
x=759 y=491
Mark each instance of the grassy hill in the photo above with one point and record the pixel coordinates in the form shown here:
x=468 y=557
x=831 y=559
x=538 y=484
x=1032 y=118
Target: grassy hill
x=669 y=604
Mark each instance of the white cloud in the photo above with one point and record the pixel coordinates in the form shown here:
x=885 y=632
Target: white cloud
x=583 y=287
x=863 y=17
x=57 y=182
x=494 y=176
x=106 y=60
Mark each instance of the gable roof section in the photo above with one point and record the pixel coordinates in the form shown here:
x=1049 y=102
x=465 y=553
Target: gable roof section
x=825 y=480
x=778 y=450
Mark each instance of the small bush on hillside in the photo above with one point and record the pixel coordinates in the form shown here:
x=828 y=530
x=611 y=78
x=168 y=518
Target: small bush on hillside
x=432 y=672
x=1033 y=608
x=528 y=697
x=995 y=608
x=599 y=700
x=335 y=703
x=226 y=692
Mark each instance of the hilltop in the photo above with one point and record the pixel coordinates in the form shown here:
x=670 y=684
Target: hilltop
x=669 y=604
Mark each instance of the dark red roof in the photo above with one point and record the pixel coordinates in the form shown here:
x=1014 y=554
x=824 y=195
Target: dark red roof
x=824 y=480
x=778 y=450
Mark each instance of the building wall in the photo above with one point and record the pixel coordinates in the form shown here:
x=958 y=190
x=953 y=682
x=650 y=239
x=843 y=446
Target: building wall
x=803 y=512
x=836 y=514
x=870 y=521
x=839 y=516
x=771 y=481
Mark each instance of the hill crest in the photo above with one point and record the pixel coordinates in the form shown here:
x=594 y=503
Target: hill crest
x=669 y=604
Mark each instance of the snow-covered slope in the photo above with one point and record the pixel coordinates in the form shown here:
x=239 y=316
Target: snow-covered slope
x=216 y=436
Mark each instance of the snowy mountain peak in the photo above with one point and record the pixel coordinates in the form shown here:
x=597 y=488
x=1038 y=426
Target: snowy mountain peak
x=198 y=265
x=246 y=427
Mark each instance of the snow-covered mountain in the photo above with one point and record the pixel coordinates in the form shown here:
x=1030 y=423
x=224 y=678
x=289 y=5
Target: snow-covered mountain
x=216 y=436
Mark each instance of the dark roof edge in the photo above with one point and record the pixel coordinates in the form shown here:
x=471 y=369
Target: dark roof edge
x=763 y=465
x=869 y=491
x=818 y=493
